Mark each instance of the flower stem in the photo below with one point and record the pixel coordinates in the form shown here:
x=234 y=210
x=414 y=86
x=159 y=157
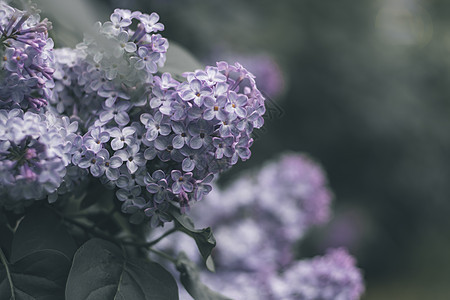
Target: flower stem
x=92 y=230
x=151 y=243
x=121 y=242
x=95 y=232
x=155 y=241
x=162 y=254
x=8 y=273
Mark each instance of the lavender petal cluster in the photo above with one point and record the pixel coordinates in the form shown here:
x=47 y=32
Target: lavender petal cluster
x=252 y=218
x=35 y=150
x=300 y=186
x=156 y=140
x=113 y=65
x=333 y=276
x=26 y=59
x=263 y=213
x=284 y=199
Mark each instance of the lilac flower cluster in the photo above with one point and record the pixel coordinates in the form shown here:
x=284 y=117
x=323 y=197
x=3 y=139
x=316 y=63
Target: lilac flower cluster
x=253 y=219
x=111 y=70
x=36 y=144
x=155 y=139
x=291 y=192
x=27 y=59
x=333 y=276
x=35 y=150
x=268 y=212
x=300 y=186
x=329 y=277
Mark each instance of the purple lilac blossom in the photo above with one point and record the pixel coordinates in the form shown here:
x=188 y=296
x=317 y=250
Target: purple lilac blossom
x=133 y=120
x=333 y=276
x=252 y=218
x=285 y=198
x=296 y=182
x=300 y=185
x=27 y=59
x=187 y=130
x=38 y=145
x=35 y=150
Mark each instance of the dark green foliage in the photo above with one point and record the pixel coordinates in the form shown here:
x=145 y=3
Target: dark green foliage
x=204 y=238
x=6 y=236
x=40 y=258
x=41 y=230
x=101 y=270
x=189 y=277
x=38 y=275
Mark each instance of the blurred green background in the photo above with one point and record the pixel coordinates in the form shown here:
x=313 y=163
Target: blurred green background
x=366 y=93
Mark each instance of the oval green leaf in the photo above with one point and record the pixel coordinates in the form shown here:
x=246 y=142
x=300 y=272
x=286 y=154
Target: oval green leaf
x=204 y=238
x=40 y=275
x=39 y=230
x=100 y=270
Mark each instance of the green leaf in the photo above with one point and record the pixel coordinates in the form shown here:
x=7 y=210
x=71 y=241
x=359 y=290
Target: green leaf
x=41 y=253
x=39 y=275
x=40 y=230
x=101 y=270
x=190 y=279
x=179 y=61
x=204 y=238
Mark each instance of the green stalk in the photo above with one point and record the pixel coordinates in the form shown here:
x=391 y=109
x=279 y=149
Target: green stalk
x=151 y=243
x=8 y=273
x=162 y=254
